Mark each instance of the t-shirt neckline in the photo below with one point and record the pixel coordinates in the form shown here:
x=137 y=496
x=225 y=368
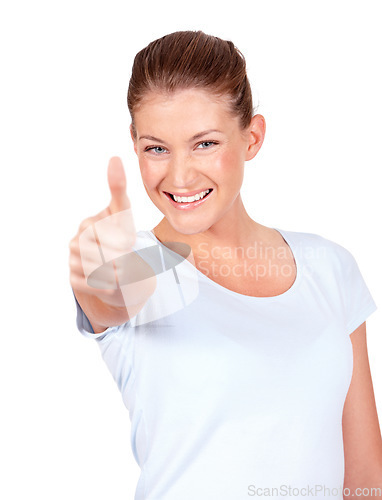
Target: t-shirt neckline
x=286 y=236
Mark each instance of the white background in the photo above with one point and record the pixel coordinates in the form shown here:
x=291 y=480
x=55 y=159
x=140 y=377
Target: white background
x=315 y=72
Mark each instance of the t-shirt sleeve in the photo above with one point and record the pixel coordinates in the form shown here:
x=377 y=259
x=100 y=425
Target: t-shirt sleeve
x=85 y=327
x=359 y=303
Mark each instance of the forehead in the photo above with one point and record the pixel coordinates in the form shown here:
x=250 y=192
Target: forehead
x=183 y=111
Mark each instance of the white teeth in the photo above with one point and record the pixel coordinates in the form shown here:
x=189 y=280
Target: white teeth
x=199 y=196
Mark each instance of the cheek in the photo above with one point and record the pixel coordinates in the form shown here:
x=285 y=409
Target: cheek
x=228 y=165
x=151 y=173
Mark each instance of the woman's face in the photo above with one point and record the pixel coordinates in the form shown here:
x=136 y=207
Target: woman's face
x=187 y=143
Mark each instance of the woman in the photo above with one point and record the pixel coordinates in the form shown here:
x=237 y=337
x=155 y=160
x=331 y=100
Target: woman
x=234 y=345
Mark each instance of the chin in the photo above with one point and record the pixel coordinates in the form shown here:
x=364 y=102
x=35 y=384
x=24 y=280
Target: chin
x=189 y=229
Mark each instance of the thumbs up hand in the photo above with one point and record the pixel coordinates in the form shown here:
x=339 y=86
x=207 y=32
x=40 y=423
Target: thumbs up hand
x=94 y=275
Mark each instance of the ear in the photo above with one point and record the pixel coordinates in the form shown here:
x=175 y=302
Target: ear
x=256 y=133
x=133 y=139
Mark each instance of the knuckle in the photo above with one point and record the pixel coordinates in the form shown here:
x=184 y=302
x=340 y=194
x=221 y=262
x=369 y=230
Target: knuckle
x=74 y=281
x=85 y=223
x=73 y=244
x=73 y=262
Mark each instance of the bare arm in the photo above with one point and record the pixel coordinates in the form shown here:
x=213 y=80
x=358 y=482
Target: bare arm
x=361 y=430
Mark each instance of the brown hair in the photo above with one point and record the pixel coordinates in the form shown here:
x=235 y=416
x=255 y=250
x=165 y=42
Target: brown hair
x=192 y=59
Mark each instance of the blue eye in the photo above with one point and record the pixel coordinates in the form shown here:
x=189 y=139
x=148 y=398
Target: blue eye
x=157 y=149
x=206 y=144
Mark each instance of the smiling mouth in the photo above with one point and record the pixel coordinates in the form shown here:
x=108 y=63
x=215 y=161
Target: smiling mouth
x=189 y=199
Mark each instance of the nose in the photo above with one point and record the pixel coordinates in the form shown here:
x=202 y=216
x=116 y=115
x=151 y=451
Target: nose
x=182 y=171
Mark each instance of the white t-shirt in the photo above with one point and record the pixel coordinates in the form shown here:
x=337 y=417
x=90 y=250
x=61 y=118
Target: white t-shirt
x=231 y=396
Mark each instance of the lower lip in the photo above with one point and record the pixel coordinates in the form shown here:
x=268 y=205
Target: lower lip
x=187 y=205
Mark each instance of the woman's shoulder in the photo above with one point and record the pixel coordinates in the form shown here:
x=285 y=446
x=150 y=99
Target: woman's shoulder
x=324 y=249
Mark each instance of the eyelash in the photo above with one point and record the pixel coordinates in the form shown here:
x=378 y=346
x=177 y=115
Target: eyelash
x=149 y=148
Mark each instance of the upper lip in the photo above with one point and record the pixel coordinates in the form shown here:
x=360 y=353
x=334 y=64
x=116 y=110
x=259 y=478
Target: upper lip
x=191 y=193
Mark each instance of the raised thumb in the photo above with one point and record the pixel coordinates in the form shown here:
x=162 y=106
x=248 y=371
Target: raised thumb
x=117 y=184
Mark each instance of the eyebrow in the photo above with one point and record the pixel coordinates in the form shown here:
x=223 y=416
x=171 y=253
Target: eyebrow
x=193 y=138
